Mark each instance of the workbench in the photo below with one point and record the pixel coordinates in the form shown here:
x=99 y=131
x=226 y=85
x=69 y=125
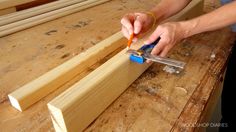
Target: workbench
x=156 y=101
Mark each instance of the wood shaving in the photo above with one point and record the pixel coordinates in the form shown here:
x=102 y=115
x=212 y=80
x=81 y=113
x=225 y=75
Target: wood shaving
x=182 y=89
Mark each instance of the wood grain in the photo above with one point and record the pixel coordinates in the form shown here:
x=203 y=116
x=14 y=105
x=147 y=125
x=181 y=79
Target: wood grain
x=11 y=3
x=27 y=23
x=35 y=90
x=7 y=11
x=20 y=15
x=78 y=106
x=152 y=103
x=28 y=54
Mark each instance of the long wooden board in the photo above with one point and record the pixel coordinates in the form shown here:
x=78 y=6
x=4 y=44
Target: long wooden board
x=33 y=91
x=11 y=3
x=92 y=94
x=27 y=23
x=7 y=11
x=78 y=106
x=20 y=15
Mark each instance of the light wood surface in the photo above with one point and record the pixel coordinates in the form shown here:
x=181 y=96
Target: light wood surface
x=77 y=107
x=35 y=90
x=7 y=11
x=13 y=17
x=71 y=111
x=27 y=23
x=154 y=98
x=11 y=3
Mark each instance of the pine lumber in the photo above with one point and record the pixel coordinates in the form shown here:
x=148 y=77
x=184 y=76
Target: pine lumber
x=13 y=17
x=79 y=105
x=11 y=3
x=27 y=23
x=7 y=11
x=90 y=96
x=33 y=91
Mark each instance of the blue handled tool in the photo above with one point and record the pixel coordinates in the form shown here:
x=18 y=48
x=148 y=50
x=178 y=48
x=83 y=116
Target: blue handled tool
x=144 y=53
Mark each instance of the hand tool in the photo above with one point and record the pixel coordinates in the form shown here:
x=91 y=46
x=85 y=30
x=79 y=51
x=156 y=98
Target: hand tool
x=130 y=40
x=144 y=53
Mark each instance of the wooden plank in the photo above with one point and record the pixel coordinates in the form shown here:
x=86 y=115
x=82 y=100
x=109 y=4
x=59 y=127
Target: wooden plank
x=96 y=90
x=7 y=11
x=34 y=4
x=20 y=15
x=11 y=3
x=33 y=91
x=78 y=106
x=26 y=23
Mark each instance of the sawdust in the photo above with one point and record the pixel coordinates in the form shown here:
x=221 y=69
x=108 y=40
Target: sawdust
x=213 y=55
x=171 y=70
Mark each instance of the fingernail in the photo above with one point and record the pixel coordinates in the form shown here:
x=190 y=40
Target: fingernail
x=136 y=31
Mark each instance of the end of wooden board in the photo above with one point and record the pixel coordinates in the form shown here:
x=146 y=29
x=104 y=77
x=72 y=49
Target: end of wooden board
x=35 y=90
x=57 y=118
x=81 y=103
x=14 y=102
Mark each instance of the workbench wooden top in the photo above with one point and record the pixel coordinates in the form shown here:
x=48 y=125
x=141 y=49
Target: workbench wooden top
x=157 y=101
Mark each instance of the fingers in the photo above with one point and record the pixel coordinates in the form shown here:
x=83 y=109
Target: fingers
x=127 y=21
x=161 y=49
x=138 y=25
x=127 y=35
x=162 y=53
x=156 y=34
x=125 y=32
x=132 y=23
x=158 y=48
x=163 y=45
x=165 y=51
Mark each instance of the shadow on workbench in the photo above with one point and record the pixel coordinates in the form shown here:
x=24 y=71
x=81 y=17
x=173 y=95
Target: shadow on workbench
x=215 y=118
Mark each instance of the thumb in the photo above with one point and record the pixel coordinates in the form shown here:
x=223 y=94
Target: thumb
x=153 y=37
x=158 y=48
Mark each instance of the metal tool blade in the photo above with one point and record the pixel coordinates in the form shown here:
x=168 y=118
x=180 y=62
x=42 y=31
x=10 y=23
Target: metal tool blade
x=132 y=51
x=167 y=61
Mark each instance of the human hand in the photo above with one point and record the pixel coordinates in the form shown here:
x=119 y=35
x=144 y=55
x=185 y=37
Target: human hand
x=136 y=23
x=170 y=34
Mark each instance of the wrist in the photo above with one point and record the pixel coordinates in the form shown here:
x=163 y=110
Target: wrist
x=188 y=28
x=160 y=11
x=159 y=15
x=152 y=17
